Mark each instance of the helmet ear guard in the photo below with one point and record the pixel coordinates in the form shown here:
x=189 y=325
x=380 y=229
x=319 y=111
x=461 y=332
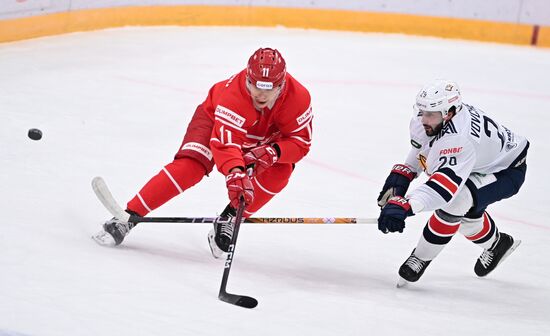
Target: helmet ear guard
x=266 y=68
x=439 y=96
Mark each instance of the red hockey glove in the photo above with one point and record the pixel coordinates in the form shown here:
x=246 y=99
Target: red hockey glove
x=393 y=215
x=239 y=184
x=261 y=157
x=396 y=184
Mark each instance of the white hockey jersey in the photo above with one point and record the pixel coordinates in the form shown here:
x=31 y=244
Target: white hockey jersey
x=471 y=142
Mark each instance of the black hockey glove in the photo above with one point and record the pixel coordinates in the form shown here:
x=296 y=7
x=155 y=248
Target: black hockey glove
x=396 y=183
x=393 y=215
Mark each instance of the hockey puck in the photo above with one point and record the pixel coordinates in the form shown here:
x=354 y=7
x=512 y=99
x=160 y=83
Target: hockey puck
x=35 y=134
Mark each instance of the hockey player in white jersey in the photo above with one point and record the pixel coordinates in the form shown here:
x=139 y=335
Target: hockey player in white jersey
x=472 y=161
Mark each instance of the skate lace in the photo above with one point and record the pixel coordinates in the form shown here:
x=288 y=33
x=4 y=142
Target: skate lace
x=227 y=228
x=486 y=258
x=415 y=264
x=122 y=227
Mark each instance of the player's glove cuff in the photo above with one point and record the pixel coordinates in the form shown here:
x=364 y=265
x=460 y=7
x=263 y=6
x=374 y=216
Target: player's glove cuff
x=404 y=170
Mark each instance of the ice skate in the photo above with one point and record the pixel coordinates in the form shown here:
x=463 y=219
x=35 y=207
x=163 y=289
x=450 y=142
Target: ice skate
x=495 y=255
x=219 y=238
x=411 y=270
x=113 y=233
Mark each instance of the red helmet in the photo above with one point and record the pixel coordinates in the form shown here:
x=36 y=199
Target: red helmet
x=266 y=68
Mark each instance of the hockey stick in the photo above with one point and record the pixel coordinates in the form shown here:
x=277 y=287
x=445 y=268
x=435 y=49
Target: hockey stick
x=239 y=300
x=106 y=198
x=102 y=192
x=104 y=195
x=257 y=220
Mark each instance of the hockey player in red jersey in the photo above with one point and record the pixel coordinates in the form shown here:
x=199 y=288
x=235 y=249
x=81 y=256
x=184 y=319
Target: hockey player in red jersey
x=261 y=116
x=472 y=161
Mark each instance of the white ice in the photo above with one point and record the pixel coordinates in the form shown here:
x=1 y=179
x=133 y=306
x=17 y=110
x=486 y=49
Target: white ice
x=116 y=103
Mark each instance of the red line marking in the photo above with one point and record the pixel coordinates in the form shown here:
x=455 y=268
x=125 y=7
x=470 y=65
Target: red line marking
x=341 y=171
x=535 y=36
x=159 y=85
x=415 y=87
x=519 y=221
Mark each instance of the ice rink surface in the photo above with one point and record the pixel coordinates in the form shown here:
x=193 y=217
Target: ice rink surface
x=116 y=103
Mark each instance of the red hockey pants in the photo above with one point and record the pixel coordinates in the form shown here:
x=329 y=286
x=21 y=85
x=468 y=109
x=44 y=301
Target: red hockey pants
x=184 y=173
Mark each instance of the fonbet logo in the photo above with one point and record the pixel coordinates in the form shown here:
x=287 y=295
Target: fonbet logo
x=447 y=151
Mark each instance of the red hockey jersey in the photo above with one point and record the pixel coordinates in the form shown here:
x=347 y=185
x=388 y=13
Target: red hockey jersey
x=238 y=126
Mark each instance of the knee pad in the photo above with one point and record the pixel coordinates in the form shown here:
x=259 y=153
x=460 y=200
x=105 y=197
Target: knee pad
x=460 y=204
x=275 y=178
x=269 y=184
x=447 y=217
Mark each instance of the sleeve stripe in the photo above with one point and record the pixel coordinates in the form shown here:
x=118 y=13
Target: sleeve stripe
x=445 y=182
x=255 y=137
x=444 y=193
x=450 y=174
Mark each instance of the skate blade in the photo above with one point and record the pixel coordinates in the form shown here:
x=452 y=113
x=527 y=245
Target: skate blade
x=217 y=253
x=510 y=250
x=401 y=283
x=104 y=239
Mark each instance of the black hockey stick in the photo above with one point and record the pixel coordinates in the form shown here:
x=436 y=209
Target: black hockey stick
x=239 y=300
x=105 y=196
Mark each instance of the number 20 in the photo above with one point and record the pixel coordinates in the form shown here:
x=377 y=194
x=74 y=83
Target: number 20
x=451 y=160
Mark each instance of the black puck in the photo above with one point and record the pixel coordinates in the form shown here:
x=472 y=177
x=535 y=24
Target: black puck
x=35 y=134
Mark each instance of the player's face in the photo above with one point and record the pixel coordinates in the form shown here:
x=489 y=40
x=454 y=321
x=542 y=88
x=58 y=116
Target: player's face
x=261 y=97
x=432 y=122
